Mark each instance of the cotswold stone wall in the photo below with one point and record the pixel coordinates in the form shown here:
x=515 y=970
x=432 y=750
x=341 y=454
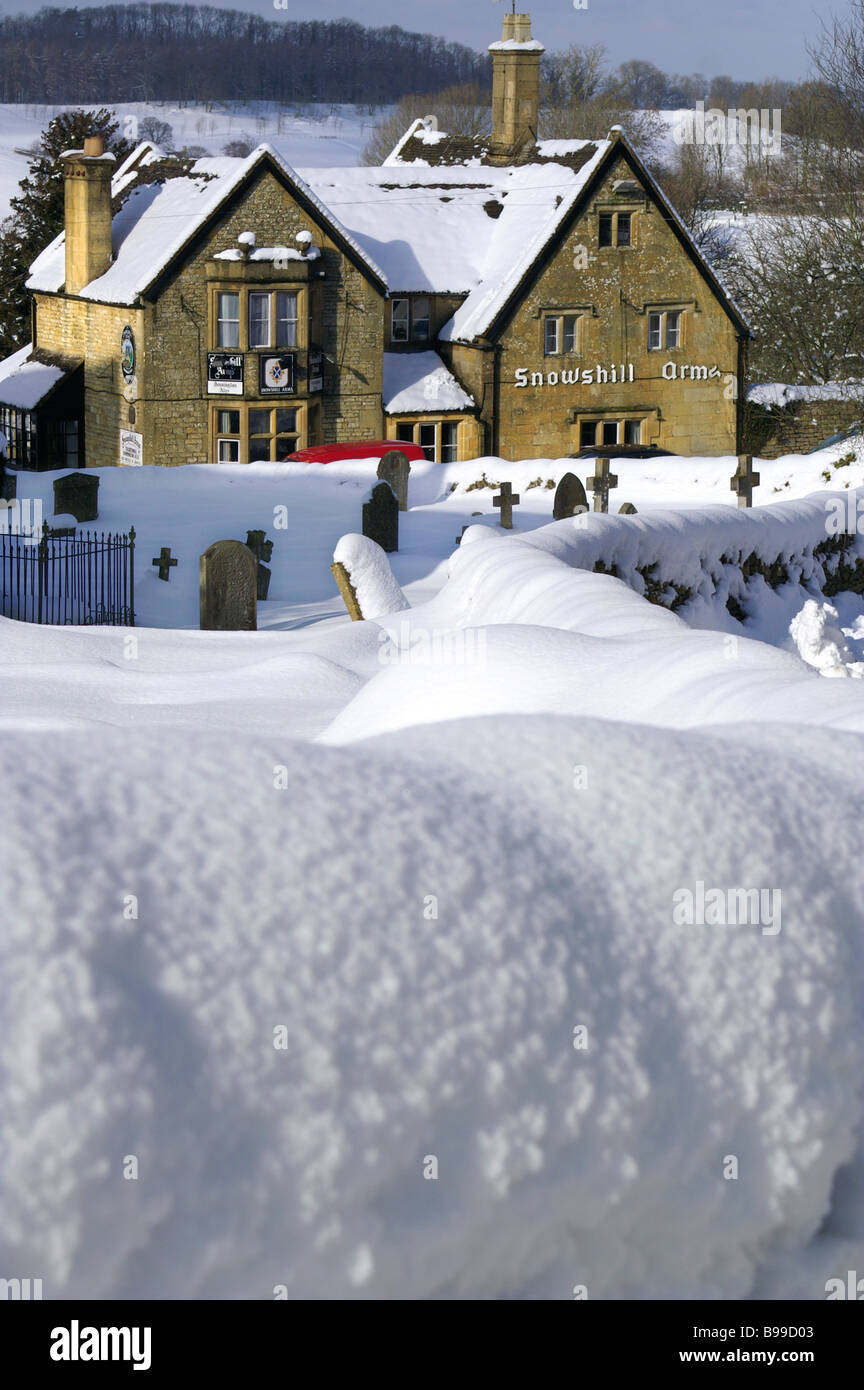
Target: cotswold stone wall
x=796 y=427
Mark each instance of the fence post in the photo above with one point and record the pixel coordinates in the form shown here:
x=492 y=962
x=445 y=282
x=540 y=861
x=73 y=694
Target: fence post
x=42 y=566
x=131 y=576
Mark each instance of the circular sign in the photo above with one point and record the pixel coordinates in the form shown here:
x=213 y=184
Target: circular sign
x=127 y=353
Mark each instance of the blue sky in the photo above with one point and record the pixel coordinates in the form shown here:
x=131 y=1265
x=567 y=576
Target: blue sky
x=744 y=39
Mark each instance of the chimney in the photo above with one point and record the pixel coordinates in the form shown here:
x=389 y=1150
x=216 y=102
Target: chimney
x=515 y=88
x=87 y=200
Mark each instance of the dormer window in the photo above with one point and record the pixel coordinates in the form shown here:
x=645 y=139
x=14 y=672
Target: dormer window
x=400 y=320
x=411 y=320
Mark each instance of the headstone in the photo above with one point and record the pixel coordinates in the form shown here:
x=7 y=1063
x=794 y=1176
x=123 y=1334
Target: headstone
x=601 y=484
x=627 y=509
x=507 y=499
x=77 y=493
x=570 y=498
x=262 y=550
x=458 y=539
x=63 y=525
x=347 y=590
x=744 y=480
x=164 y=562
x=228 y=585
x=381 y=517
x=394 y=469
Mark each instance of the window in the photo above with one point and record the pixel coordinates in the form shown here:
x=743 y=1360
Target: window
x=69 y=431
x=449 y=441
x=272 y=434
x=228 y=327
x=615 y=229
x=587 y=434
x=560 y=334
x=421 y=321
x=439 y=439
x=632 y=431
x=426 y=438
x=610 y=432
x=664 y=328
x=259 y=320
x=228 y=450
x=399 y=320
x=286 y=319
x=228 y=421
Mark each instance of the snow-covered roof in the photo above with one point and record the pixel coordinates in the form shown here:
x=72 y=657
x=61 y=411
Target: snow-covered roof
x=25 y=382
x=157 y=219
x=455 y=230
x=415 y=382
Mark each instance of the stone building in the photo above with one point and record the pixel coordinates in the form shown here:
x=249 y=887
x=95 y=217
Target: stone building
x=514 y=296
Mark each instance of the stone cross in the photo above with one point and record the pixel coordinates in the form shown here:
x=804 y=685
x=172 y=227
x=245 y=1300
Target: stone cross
x=262 y=550
x=507 y=499
x=601 y=484
x=381 y=517
x=228 y=581
x=744 y=480
x=164 y=562
x=394 y=469
x=570 y=498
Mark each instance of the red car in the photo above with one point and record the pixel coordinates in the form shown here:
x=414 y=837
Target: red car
x=358 y=449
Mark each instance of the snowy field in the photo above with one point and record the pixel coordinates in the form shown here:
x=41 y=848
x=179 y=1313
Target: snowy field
x=313 y=136
x=366 y=950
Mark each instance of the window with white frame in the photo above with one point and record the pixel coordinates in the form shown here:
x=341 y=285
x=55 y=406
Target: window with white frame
x=607 y=433
x=439 y=439
x=228 y=320
x=664 y=329
x=259 y=320
x=560 y=334
x=422 y=321
x=400 y=317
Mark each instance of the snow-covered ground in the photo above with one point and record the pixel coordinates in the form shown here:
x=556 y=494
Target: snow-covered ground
x=380 y=947
x=313 y=136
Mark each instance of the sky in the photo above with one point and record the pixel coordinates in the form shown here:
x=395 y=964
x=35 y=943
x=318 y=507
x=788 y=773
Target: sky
x=742 y=38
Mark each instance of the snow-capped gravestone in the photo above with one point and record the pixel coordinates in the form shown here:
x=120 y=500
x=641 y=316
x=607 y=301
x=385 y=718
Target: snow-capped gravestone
x=394 y=469
x=381 y=517
x=77 y=494
x=365 y=580
x=228 y=588
x=262 y=550
x=570 y=498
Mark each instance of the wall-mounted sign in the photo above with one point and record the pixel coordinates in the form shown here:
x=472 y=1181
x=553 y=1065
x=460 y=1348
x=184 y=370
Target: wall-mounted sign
x=225 y=373
x=316 y=372
x=131 y=449
x=127 y=353
x=276 y=375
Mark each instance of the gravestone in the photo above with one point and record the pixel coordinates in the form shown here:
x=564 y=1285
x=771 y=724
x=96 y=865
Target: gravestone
x=744 y=480
x=601 y=484
x=228 y=587
x=507 y=499
x=570 y=498
x=262 y=550
x=62 y=525
x=381 y=517
x=164 y=563
x=78 y=494
x=394 y=469
x=627 y=509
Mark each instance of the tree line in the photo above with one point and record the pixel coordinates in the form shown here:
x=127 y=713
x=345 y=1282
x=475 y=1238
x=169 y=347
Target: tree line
x=163 y=52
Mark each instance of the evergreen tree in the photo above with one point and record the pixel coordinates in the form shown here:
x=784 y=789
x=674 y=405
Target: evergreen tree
x=37 y=212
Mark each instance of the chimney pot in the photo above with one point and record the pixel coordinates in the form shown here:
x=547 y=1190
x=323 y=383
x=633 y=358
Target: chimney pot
x=94 y=146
